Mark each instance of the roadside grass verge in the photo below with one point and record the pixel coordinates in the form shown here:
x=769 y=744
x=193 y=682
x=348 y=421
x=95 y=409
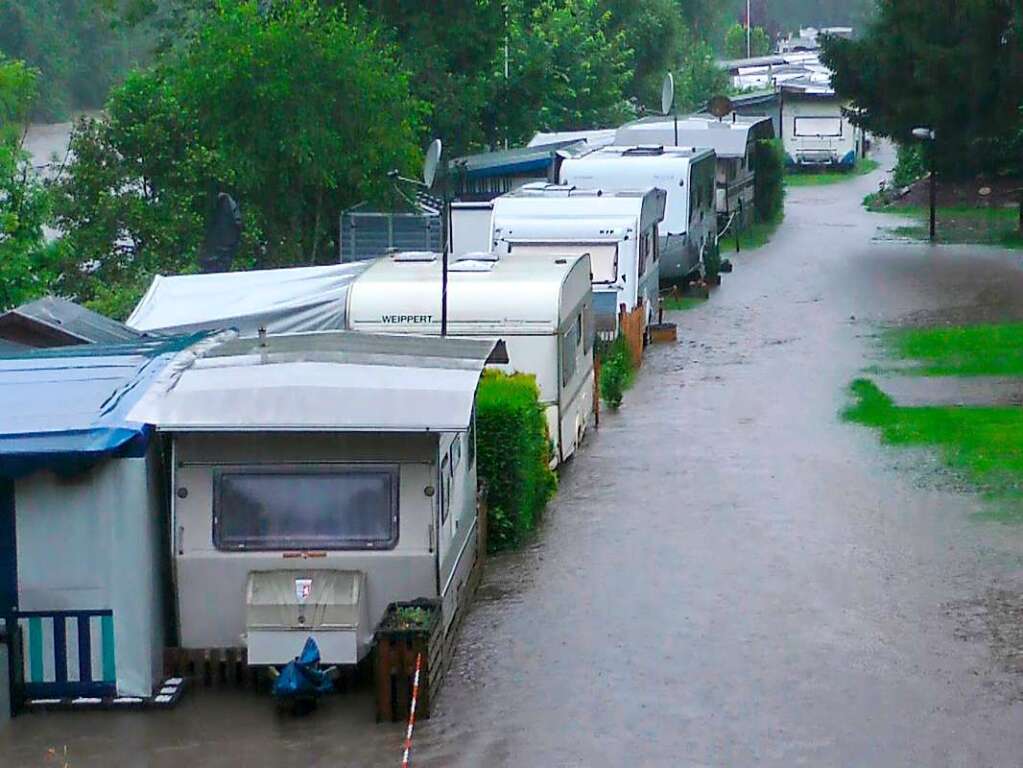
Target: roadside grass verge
x=681 y=303
x=823 y=178
x=757 y=235
x=982 y=444
x=971 y=350
x=956 y=224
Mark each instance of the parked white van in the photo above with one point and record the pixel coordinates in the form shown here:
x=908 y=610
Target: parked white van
x=540 y=305
x=689 y=228
x=617 y=229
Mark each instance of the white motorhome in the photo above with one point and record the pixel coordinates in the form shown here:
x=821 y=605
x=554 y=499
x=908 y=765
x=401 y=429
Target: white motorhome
x=617 y=229
x=689 y=228
x=816 y=127
x=733 y=140
x=540 y=305
x=317 y=478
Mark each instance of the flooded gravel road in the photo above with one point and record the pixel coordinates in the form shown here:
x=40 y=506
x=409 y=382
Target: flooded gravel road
x=729 y=575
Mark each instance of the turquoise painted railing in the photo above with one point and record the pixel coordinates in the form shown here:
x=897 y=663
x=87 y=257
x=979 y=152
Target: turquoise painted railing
x=68 y=653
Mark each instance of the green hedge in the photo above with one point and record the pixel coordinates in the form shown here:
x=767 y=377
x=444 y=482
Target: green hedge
x=769 y=182
x=513 y=455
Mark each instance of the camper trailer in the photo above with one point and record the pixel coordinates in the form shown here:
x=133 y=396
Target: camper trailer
x=617 y=229
x=733 y=140
x=689 y=228
x=317 y=478
x=540 y=305
x=817 y=130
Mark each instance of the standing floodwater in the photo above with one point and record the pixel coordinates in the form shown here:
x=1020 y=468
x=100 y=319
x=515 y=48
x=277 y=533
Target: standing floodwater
x=729 y=574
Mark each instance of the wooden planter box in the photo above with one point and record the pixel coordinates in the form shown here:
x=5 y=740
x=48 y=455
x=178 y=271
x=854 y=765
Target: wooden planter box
x=395 y=663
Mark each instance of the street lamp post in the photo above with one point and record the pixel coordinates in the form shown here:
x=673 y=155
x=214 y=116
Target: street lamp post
x=927 y=134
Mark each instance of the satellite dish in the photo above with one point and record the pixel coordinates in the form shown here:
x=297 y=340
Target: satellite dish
x=719 y=106
x=667 y=94
x=431 y=163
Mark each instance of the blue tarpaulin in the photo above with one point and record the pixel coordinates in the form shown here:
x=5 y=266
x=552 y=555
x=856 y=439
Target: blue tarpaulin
x=303 y=677
x=64 y=409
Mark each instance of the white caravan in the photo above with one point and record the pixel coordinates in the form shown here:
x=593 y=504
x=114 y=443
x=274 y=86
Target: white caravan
x=689 y=228
x=617 y=229
x=733 y=140
x=317 y=478
x=541 y=306
x=816 y=128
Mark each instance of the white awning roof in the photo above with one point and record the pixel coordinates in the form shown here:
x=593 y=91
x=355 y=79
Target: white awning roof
x=343 y=382
x=293 y=300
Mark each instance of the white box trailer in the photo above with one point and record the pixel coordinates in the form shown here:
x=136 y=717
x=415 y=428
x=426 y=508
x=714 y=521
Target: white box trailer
x=689 y=228
x=617 y=229
x=541 y=306
x=317 y=478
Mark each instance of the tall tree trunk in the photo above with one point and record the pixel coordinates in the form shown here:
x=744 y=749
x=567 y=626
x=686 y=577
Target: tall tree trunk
x=316 y=225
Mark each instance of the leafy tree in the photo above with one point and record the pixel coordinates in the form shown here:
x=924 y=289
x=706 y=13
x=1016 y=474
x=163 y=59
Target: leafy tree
x=735 y=42
x=698 y=76
x=298 y=113
x=25 y=268
x=656 y=32
x=957 y=68
x=567 y=70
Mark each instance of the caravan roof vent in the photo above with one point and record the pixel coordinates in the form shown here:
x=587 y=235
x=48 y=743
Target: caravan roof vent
x=644 y=149
x=478 y=256
x=414 y=256
x=473 y=265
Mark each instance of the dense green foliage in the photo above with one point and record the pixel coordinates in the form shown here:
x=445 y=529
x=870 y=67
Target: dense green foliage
x=909 y=166
x=25 y=262
x=769 y=182
x=616 y=372
x=77 y=46
x=329 y=116
x=513 y=456
x=735 y=42
x=957 y=69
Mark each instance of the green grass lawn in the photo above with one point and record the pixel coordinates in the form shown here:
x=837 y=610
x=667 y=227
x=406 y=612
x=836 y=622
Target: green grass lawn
x=983 y=444
x=821 y=178
x=974 y=350
x=956 y=224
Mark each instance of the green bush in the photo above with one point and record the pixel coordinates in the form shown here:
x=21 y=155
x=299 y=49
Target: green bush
x=616 y=372
x=769 y=183
x=909 y=166
x=514 y=451
x=712 y=259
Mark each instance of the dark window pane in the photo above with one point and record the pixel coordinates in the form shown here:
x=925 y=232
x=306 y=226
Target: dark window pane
x=343 y=509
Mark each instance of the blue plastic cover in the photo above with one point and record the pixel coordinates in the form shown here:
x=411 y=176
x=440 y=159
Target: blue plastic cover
x=303 y=677
x=65 y=409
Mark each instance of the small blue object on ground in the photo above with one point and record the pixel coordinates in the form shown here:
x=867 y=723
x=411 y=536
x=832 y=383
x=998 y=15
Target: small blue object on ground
x=303 y=677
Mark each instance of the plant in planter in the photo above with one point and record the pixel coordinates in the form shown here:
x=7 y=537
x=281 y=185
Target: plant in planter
x=407 y=631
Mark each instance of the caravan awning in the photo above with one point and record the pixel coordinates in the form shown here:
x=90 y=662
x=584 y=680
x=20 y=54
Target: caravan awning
x=64 y=409
x=339 y=382
x=293 y=300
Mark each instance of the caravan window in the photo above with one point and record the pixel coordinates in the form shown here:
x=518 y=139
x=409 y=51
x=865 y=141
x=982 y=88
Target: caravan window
x=644 y=250
x=304 y=508
x=569 y=346
x=603 y=256
x=817 y=126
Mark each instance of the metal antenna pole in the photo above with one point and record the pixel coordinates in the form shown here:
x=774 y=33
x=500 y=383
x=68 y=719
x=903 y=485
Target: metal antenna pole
x=444 y=258
x=674 y=113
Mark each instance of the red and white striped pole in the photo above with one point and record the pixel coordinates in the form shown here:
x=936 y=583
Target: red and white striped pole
x=412 y=712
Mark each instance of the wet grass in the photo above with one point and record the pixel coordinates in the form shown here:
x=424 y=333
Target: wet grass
x=823 y=178
x=755 y=236
x=973 y=350
x=983 y=444
x=956 y=224
x=682 y=303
